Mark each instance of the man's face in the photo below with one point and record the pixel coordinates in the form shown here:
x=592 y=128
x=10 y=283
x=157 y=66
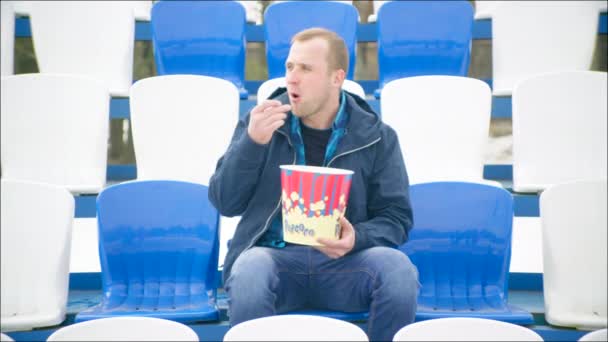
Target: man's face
x=309 y=82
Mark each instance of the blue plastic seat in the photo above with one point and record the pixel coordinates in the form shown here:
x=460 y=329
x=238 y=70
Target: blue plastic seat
x=461 y=245
x=158 y=248
x=200 y=38
x=417 y=38
x=283 y=20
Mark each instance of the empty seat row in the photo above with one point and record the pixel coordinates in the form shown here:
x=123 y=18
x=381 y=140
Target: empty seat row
x=414 y=38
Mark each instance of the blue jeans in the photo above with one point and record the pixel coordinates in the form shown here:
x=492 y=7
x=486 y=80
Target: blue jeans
x=267 y=281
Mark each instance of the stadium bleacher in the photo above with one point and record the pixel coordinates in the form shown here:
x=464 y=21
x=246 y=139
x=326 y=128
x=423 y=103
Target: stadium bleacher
x=525 y=272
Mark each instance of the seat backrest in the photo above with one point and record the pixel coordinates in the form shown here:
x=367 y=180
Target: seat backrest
x=182 y=125
x=89 y=38
x=269 y=86
x=7 y=38
x=295 y=327
x=283 y=20
x=534 y=37
x=465 y=329
x=597 y=335
x=55 y=130
x=461 y=244
x=5 y=338
x=442 y=123
x=125 y=329
x=573 y=218
x=159 y=234
x=559 y=129
x=141 y=9
x=484 y=8
x=424 y=38
x=36 y=226
x=190 y=38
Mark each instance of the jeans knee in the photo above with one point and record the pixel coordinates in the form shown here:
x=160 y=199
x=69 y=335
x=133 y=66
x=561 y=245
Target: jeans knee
x=396 y=272
x=253 y=270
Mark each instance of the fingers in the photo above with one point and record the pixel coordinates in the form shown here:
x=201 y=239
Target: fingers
x=266 y=118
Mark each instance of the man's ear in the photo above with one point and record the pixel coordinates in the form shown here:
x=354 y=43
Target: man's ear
x=339 y=77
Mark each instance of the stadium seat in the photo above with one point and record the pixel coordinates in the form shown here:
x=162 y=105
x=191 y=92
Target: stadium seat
x=269 y=86
x=535 y=37
x=573 y=217
x=36 y=226
x=88 y=38
x=417 y=38
x=442 y=123
x=461 y=245
x=483 y=8
x=200 y=38
x=600 y=335
x=559 y=129
x=158 y=246
x=295 y=328
x=5 y=338
x=7 y=38
x=55 y=130
x=141 y=9
x=465 y=329
x=252 y=11
x=125 y=329
x=283 y=20
x=197 y=116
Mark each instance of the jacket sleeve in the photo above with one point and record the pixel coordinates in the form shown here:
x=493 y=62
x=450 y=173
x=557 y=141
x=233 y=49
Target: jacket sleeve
x=237 y=172
x=390 y=211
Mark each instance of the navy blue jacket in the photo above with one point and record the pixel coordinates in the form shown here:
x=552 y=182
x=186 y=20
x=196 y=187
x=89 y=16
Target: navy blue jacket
x=247 y=181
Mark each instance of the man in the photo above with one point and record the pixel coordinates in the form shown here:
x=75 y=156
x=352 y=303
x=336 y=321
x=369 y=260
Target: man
x=314 y=122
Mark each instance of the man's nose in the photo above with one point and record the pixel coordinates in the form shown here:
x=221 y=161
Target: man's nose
x=291 y=77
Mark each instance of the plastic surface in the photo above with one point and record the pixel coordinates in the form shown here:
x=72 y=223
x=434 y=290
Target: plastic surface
x=7 y=38
x=89 y=38
x=295 y=328
x=125 y=329
x=5 y=338
x=36 y=227
x=158 y=247
x=461 y=245
x=61 y=137
x=200 y=38
x=283 y=20
x=534 y=37
x=597 y=335
x=374 y=16
x=442 y=123
x=484 y=8
x=203 y=113
x=269 y=86
x=423 y=38
x=559 y=129
x=465 y=329
x=573 y=217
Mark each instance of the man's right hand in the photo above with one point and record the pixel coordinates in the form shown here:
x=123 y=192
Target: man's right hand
x=266 y=118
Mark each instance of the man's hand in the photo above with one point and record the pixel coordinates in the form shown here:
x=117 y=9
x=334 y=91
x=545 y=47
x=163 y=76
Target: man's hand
x=266 y=118
x=338 y=248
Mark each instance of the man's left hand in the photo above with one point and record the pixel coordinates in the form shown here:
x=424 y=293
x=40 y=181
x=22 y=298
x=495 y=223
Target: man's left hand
x=338 y=248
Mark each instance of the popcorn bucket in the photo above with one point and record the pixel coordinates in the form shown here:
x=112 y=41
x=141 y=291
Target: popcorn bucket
x=313 y=199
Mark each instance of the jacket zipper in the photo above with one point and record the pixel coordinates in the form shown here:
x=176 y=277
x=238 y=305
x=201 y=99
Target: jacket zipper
x=354 y=150
x=255 y=238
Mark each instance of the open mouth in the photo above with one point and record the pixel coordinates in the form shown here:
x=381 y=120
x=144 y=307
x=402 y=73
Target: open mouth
x=294 y=97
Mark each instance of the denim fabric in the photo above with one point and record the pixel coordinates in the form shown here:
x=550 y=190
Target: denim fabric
x=267 y=281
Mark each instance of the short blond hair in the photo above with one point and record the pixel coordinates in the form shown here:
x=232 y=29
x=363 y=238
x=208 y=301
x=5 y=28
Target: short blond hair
x=337 y=55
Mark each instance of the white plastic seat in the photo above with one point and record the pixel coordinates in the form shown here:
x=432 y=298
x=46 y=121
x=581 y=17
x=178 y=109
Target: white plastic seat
x=574 y=222
x=374 y=16
x=182 y=125
x=141 y=9
x=442 y=123
x=559 y=129
x=597 y=335
x=36 y=227
x=483 y=8
x=5 y=338
x=534 y=37
x=295 y=328
x=7 y=38
x=269 y=86
x=127 y=328
x=253 y=11
x=89 y=38
x=465 y=329
x=55 y=130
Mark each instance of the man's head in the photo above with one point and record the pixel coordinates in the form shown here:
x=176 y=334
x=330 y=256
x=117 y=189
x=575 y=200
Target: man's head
x=315 y=70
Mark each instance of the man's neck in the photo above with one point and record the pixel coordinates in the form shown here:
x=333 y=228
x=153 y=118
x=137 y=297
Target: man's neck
x=325 y=117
